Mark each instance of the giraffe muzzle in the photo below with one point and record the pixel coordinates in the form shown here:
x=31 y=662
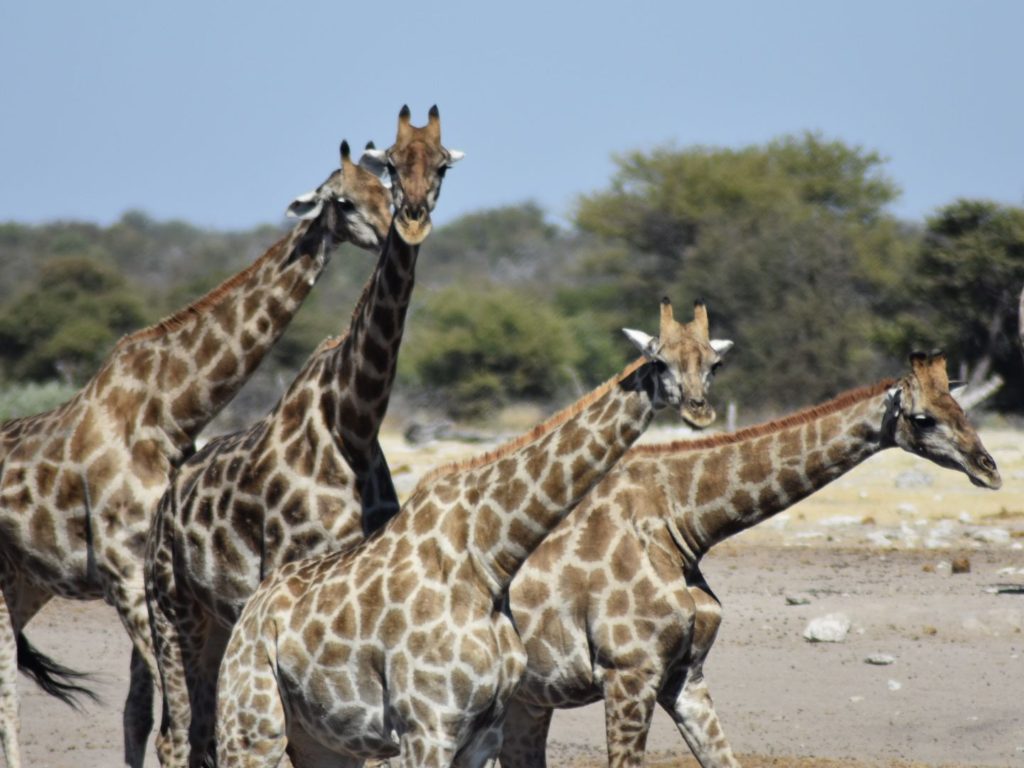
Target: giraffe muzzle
x=984 y=473
x=697 y=412
x=413 y=223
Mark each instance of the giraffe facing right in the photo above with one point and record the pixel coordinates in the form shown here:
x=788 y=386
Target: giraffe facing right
x=612 y=605
x=408 y=633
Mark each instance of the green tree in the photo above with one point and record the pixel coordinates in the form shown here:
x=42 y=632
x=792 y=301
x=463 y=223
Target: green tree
x=788 y=243
x=967 y=280
x=480 y=346
x=67 y=322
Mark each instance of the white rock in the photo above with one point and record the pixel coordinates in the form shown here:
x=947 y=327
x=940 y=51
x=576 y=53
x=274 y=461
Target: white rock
x=894 y=685
x=878 y=538
x=830 y=628
x=880 y=659
x=991 y=535
x=906 y=508
x=855 y=699
x=800 y=599
x=837 y=521
x=913 y=478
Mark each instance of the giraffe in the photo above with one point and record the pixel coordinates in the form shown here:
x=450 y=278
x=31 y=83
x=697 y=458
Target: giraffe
x=403 y=645
x=78 y=484
x=309 y=477
x=612 y=605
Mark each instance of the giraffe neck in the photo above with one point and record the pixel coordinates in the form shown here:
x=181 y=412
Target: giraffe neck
x=359 y=371
x=735 y=482
x=517 y=499
x=175 y=376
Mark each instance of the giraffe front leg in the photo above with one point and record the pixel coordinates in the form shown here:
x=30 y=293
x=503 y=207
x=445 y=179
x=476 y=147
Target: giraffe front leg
x=138 y=711
x=8 y=689
x=251 y=728
x=525 y=736
x=129 y=599
x=629 y=700
x=694 y=714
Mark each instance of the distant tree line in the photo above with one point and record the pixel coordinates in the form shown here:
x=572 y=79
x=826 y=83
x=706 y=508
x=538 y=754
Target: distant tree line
x=790 y=243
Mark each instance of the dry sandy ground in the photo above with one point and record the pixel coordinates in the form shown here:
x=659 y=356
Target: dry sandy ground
x=876 y=546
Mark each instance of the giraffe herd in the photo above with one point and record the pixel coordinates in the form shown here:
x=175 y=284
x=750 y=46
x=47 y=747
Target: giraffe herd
x=287 y=609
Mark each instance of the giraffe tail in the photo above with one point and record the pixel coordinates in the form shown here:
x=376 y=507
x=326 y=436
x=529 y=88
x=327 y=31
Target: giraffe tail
x=54 y=678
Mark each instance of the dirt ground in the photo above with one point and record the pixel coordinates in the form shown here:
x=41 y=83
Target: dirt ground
x=877 y=546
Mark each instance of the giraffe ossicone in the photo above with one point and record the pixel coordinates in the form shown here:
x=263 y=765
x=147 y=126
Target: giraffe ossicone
x=612 y=605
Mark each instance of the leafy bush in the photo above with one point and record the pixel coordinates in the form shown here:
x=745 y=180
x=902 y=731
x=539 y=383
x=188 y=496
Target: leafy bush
x=30 y=399
x=480 y=346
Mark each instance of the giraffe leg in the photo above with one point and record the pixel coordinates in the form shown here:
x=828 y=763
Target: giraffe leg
x=167 y=612
x=629 y=700
x=203 y=667
x=138 y=711
x=19 y=602
x=525 y=736
x=695 y=716
x=129 y=598
x=8 y=690
x=251 y=726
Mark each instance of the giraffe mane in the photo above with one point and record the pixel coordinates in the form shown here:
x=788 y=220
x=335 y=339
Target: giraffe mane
x=213 y=297
x=552 y=422
x=804 y=416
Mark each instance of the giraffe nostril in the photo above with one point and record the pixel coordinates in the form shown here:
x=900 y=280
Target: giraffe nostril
x=696 y=402
x=985 y=462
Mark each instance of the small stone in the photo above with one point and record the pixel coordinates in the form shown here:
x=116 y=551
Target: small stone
x=800 y=599
x=928 y=568
x=961 y=564
x=991 y=535
x=894 y=685
x=831 y=628
x=913 y=478
x=880 y=659
x=930 y=630
x=856 y=699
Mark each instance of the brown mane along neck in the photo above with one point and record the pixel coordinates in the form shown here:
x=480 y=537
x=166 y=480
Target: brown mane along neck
x=804 y=416
x=176 y=320
x=551 y=423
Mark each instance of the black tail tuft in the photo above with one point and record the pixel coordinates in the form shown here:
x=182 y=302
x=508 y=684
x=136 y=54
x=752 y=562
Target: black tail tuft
x=56 y=679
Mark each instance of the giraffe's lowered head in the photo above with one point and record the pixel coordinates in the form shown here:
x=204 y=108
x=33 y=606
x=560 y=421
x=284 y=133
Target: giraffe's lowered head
x=355 y=206
x=923 y=417
x=416 y=164
x=687 y=358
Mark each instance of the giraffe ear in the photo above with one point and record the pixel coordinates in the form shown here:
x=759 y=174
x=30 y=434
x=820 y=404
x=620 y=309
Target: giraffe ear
x=454 y=156
x=721 y=346
x=646 y=343
x=958 y=394
x=374 y=160
x=307 y=206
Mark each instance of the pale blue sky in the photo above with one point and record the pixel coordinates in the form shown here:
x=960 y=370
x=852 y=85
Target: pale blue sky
x=219 y=113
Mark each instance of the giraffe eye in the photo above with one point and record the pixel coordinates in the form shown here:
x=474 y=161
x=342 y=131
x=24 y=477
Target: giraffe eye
x=923 y=421
x=715 y=366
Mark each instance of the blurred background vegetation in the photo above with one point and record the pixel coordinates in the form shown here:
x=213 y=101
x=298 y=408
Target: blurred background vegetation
x=791 y=244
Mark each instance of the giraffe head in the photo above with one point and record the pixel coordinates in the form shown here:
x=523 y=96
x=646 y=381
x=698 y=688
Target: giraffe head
x=687 y=358
x=925 y=418
x=353 y=203
x=416 y=164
